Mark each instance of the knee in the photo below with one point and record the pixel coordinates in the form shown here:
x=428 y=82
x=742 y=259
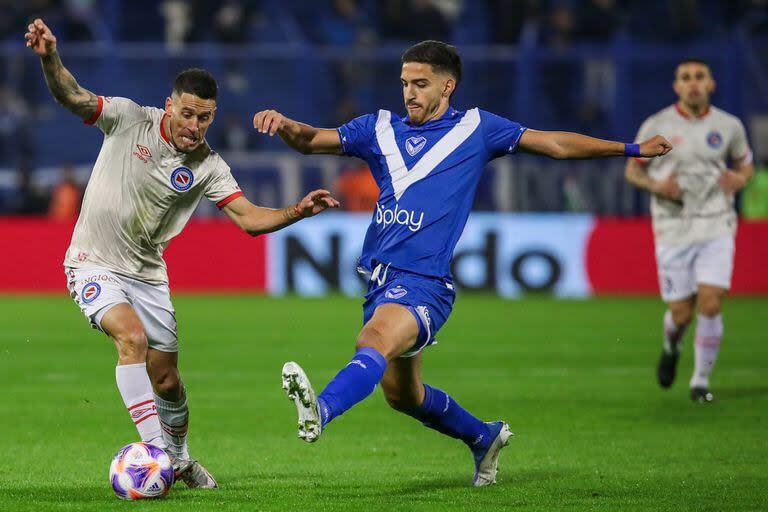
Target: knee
x=132 y=344
x=682 y=315
x=709 y=306
x=372 y=337
x=401 y=401
x=167 y=384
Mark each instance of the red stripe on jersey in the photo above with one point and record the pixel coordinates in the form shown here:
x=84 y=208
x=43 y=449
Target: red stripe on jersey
x=95 y=116
x=140 y=404
x=231 y=197
x=145 y=417
x=162 y=129
x=641 y=161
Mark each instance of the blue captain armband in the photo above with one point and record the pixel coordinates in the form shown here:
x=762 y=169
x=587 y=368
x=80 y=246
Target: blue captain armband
x=632 y=150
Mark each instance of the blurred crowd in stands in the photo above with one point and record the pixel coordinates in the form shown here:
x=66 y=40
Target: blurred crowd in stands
x=356 y=24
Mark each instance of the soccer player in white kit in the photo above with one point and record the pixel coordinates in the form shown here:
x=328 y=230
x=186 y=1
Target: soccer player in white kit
x=153 y=168
x=694 y=221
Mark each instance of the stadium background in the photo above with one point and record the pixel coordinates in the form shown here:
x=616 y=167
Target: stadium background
x=594 y=431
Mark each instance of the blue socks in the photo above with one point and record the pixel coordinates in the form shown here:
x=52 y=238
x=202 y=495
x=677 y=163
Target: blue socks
x=352 y=384
x=442 y=413
x=438 y=411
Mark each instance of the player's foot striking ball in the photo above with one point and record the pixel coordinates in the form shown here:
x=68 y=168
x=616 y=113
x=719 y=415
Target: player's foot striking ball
x=154 y=167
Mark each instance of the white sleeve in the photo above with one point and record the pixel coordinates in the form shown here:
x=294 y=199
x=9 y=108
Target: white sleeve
x=114 y=114
x=739 y=151
x=222 y=187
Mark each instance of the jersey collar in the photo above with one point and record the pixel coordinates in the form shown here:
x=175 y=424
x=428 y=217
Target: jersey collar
x=684 y=115
x=448 y=114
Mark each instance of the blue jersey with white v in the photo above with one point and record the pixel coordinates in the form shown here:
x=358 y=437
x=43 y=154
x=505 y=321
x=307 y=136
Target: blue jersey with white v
x=427 y=177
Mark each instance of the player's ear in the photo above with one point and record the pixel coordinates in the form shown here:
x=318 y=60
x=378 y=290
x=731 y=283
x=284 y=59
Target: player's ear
x=168 y=103
x=450 y=86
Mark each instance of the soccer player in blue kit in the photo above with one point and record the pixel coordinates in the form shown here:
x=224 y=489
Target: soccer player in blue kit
x=427 y=166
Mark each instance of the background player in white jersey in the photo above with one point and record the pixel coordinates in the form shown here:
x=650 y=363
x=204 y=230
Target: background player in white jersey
x=694 y=221
x=153 y=168
x=427 y=165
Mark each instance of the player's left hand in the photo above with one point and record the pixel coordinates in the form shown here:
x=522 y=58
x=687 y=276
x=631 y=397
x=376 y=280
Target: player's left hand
x=731 y=182
x=655 y=146
x=316 y=202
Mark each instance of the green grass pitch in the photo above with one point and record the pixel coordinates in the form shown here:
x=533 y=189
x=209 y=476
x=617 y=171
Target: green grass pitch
x=575 y=380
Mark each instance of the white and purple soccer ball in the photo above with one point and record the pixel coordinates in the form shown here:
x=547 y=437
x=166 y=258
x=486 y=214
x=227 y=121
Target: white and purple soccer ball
x=141 y=471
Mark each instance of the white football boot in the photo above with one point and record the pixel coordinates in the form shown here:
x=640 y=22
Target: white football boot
x=487 y=461
x=192 y=473
x=297 y=386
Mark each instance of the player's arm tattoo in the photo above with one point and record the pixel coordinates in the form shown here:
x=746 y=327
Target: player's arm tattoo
x=66 y=90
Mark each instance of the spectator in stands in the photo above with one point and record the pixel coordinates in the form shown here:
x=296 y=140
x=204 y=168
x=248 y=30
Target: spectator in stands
x=65 y=197
x=356 y=189
x=31 y=199
x=511 y=19
x=232 y=19
x=413 y=20
x=15 y=139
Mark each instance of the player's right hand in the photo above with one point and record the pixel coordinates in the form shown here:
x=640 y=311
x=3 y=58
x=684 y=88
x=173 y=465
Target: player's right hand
x=40 y=38
x=268 y=121
x=668 y=188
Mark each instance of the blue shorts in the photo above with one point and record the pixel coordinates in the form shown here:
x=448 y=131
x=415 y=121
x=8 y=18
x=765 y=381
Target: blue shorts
x=429 y=299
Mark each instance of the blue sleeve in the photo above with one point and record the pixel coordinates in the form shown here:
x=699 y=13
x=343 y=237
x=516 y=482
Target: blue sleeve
x=501 y=135
x=357 y=136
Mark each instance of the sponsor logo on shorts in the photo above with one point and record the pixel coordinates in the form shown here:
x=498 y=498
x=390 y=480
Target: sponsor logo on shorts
x=415 y=144
x=90 y=292
x=396 y=292
x=714 y=139
x=182 y=178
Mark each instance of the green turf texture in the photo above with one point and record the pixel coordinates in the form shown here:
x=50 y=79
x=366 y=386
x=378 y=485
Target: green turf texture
x=574 y=379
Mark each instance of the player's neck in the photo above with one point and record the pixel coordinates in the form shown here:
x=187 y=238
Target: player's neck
x=437 y=114
x=694 y=111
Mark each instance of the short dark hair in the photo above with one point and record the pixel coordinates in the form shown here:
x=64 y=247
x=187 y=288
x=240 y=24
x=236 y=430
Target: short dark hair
x=196 y=81
x=693 y=60
x=443 y=57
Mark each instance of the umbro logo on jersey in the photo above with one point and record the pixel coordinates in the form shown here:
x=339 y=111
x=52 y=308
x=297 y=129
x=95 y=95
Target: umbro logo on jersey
x=415 y=144
x=182 y=178
x=143 y=153
x=90 y=292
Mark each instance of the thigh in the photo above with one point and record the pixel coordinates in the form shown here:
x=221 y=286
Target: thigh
x=676 y=275
x=392 y=330
x=153 y=305
x=714 y=263
x=96 y=291
x=428 y=300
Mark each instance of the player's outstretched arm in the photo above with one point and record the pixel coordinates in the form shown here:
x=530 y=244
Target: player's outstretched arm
x=567 y=145
x=256 y=220
x=301 y=137
x=60 y=81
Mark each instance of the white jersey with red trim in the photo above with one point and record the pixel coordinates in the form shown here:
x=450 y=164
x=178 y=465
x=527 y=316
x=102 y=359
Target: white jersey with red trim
x=141 y=193
x=702 y=147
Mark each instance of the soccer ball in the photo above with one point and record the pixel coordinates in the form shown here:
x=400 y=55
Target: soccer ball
x=141 y=471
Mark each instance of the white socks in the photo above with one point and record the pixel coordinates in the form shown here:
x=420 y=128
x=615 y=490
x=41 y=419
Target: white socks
x=673 y=334
x=136 y=390
x=709 y=332
x=174 y=420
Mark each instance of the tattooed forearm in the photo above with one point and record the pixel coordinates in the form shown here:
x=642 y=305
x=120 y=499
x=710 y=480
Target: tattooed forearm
x=65 y=88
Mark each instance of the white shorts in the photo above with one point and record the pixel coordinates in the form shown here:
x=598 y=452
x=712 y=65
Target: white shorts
x=97 y=290
x=683 y=267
